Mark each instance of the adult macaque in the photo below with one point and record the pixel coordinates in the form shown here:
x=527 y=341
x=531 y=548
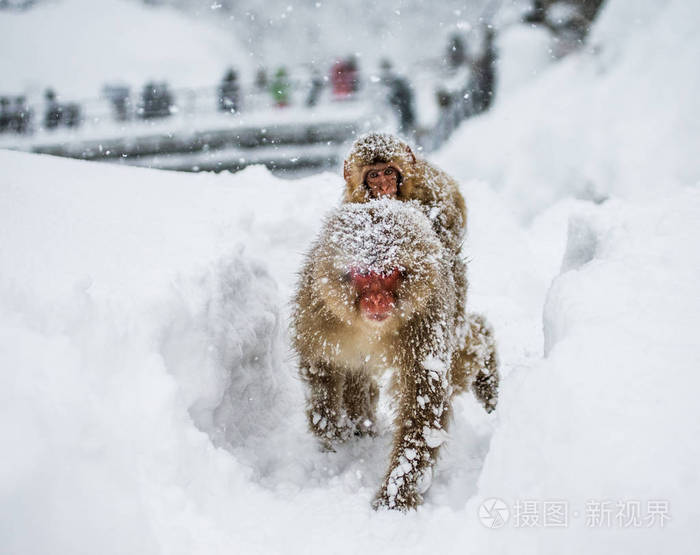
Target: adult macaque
x=377 y=293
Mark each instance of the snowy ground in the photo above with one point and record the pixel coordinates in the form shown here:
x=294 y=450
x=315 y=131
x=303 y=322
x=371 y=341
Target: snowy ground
x=149 y=402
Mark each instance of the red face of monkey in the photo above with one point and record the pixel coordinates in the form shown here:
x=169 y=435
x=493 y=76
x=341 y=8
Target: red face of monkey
x=382 y=180
x=376 y=292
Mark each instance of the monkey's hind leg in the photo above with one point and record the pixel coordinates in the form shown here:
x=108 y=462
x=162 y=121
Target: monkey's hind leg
x=324 y=408
x=475 y=365
x=360 y=395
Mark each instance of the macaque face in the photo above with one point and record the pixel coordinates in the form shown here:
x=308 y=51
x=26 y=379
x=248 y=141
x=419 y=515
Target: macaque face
x=376 y=265
x=376 y=293
x=382 y=180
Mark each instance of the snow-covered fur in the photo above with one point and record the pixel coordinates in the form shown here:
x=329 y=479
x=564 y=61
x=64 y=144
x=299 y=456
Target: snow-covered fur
x=341 y=352
x=475 y=364
x=437 y=193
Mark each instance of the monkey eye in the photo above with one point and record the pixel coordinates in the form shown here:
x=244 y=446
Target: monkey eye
x=374 y=174
x=389 y=171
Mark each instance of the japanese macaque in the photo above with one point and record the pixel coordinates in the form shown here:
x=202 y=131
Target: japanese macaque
x=377 y=293
x=380 y=165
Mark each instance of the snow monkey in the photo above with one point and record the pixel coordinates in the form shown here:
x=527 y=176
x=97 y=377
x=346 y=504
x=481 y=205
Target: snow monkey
x=377 y=294
x=382 y=165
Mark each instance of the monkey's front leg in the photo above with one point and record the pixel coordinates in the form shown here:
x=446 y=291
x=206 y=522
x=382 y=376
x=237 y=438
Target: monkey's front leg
x=421 y=429
x=324 y=408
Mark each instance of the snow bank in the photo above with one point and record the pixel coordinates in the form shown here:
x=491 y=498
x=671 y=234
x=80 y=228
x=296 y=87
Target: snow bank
x=85 y=44
x=615 y=120
x=609 y=415
x=523 y=54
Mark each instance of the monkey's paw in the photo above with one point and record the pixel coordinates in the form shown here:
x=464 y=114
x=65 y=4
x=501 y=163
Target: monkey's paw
x=328 y=430
x=364 y=427
x=485 y=388
x=392 y=496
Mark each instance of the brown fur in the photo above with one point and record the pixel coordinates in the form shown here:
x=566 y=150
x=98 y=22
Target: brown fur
x=475 y=364
x=439 y=195
x=436 y=191
x=341 y=353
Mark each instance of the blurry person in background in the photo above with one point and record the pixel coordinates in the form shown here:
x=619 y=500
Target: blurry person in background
x=261 y=79
x=53 y=113
x=230 y=92
x=119 y=98
x=156 y=101
x=341 y=80
x=20 y=115
x=456 y=52
x=280 y=88
x=58 y=114
x=315 y=89
x=482 y=84
x=166 y=98
x=353 y=74
x=4 y=114
x=568 y=21
x=450 y=110
x=400 y=96
x=261 y=85
x=537 y=13
x=149 y=96
x=72 y=115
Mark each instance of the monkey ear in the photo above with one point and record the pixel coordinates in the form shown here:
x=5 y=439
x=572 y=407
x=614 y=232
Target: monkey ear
x=410 y=153
x=346 y=170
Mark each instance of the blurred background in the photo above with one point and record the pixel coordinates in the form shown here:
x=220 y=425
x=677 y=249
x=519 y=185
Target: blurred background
x=212 y=85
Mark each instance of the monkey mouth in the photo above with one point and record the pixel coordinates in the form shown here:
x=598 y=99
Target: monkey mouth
x=377 y=316
x=377 y=307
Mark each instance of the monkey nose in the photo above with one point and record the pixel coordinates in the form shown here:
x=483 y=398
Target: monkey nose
x=379 y=302
x=387 y=188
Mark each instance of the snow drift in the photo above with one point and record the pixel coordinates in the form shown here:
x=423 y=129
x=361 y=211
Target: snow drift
x=617 y=119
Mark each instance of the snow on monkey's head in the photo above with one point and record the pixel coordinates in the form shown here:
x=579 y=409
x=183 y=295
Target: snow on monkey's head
x=379 y=262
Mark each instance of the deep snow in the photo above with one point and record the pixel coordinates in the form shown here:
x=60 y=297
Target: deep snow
x=149 y=402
